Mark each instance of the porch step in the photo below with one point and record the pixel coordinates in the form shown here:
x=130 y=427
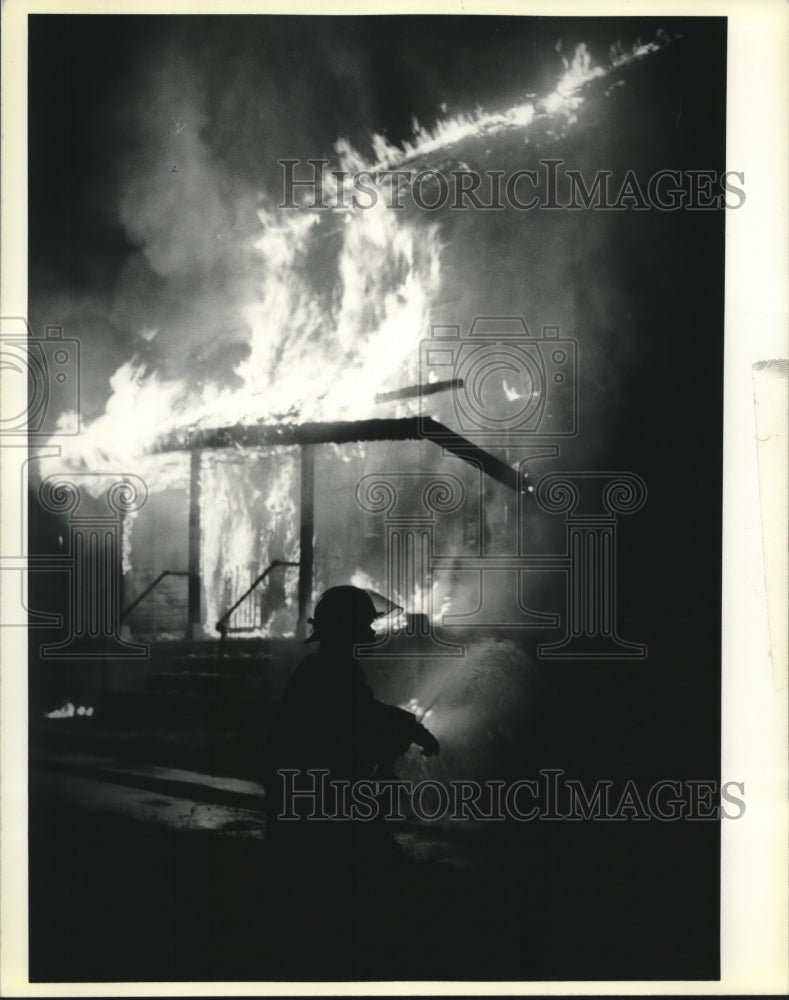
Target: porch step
x=209 y=684
x=181 y=707
x=254 y=665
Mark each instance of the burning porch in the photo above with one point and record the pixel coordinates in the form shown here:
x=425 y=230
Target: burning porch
x=399 y=445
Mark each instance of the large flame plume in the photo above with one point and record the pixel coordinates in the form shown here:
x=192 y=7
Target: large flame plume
x=339 y=304
x=331 y=308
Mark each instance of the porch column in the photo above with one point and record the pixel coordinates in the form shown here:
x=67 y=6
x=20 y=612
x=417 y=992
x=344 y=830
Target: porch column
x=306 y=536
x=194 y=628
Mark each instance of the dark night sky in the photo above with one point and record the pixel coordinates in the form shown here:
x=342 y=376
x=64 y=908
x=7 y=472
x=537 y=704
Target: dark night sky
x=310 y=79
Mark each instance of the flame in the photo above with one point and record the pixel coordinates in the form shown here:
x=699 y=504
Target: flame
x=68 y=711
x=432 y=600
x=339 y=305
x=388 y=271
x=321 y=347
x=419 y=710
x=315 y=352
x=247 y=522
x=511 y=393
x=566 y=97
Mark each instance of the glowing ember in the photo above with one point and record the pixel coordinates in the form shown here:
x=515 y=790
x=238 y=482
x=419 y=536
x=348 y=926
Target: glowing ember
x=68 y=711
x=422 y=713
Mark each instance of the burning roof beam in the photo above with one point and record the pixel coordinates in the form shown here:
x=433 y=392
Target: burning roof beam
x=345 y=432
x=411 y=391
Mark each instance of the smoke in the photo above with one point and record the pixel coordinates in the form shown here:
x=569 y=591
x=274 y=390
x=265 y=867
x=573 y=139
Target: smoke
x=234 y=311
x=226 y=310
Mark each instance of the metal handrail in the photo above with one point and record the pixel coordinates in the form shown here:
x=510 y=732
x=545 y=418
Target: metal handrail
x=150 y=587
x=221 y=627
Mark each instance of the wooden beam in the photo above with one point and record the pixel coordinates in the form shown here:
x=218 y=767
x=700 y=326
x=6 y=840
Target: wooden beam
x=344 y=432
x=195 y=624
x=306 y=536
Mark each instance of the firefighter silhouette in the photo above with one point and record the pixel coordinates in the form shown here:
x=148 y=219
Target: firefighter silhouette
x=329 y=718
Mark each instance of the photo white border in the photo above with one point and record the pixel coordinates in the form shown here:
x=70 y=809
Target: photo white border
x=755 y=886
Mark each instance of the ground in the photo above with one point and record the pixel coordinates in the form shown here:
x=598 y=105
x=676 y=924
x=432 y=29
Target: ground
x=148 y=873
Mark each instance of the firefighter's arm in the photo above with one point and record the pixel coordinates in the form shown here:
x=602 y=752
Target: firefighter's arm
x=410 y=730
x=427 y=742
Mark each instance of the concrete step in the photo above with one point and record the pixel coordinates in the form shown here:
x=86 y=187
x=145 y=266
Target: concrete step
x=156 y=706
x=210 y=684
x=256 y=664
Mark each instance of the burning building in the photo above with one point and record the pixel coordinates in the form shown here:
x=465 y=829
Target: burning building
x=253 y=445
x=302 y=492
x=315 y=351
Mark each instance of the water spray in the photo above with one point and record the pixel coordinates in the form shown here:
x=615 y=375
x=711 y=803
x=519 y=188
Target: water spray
x=421 y=715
